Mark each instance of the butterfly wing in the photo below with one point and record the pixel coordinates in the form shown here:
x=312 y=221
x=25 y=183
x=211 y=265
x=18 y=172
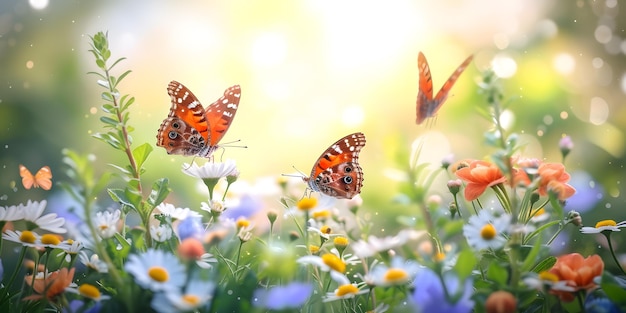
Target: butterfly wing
x=27 y=177
x=185 y=131
x=427 y=106
x=220 y=113
x=443 y=92
x=337 y=172
x=425 y=90
x=41 y=179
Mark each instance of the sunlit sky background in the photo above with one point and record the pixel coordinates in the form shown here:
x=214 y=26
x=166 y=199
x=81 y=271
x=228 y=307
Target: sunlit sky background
x=314 y=71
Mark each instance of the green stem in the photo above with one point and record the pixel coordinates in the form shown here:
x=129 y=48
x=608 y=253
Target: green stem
x=607 y=234
x=561 y=226
x=7 y=288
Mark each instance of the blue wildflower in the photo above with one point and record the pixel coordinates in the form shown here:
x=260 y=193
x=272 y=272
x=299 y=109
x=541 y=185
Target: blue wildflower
x=429 y=295
x=290 y=296
x=247 y=207
x=190 y=227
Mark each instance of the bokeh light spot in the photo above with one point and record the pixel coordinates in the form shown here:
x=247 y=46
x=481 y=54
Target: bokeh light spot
x=597 y=62
x=603 y=34
x=93 y=110
x=353 y=116
x=30 y=64
x=548 y=120
x=564 y=115
x=504 y=66
x=38 y=4
x=623 y=83
x=598 y=111
x=564 y=63
x=269 y=49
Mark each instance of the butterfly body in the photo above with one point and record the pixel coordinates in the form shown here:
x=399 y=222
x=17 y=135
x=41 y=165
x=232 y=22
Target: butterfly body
x=427 y=105
x=43 y=178
x=337 y=172
x=192 y=130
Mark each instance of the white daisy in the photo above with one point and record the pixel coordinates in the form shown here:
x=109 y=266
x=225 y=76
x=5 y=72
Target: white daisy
x=26 y=238
x=214 y=207
x=485 y=231
x=175 y=213
x=206 y=261
x=32 y=212
x=93 y=262
x=374 y=245
x=161 y=233
x=11 y=213
x=198 y=293
x=345 y=289
x=106 y=223
x=605 y=225
x=88 y=291
x=328 y=262
x=211 y=169
x=156 y=270
x=400 y=272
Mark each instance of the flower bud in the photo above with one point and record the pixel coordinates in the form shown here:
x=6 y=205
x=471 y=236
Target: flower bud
x=501 y=302
x=566 y=145
x=454 y=186
x=574 y=218
x=271 y=216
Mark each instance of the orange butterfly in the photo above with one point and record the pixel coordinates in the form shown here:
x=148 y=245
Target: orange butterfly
x=427 y=106
x=43 y=178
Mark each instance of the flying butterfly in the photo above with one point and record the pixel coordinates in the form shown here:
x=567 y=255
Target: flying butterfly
x=427 y=106
x=337 y=172
x=43 y=178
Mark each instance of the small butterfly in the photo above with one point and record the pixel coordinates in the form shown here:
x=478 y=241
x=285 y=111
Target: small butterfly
x=336 y=172
x=190 y=129
x=43 y=178
x=427 y=106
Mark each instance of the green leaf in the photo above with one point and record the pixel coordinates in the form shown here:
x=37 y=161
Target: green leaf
x=465 y=264
x=141 y=153
x=108 y=138
x=544 y=265
x=119 y=79
x=124 y=249
x=109 y=108
x=108 y=120
x=160 y=190
x=107 y=96
x=116 y=61
x=100 y=63
x=120 y=196
x=497 y=273
x=102 y=182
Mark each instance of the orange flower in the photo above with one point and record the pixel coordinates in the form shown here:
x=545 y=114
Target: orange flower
x=53 y=285
x=555 y=178
x=578 y=272
x=479 y=175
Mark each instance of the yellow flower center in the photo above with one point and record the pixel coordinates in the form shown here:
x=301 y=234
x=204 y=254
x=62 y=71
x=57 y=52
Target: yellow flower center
x=70 y=241
x=488 y=232
x=348 y=289
x=325 y=230
x=439 y=256
x=158 y=273
x=605 y=223
x=545 y=275
x=314 y=249
x=89 y=291
x=340 y=241
x=396 y=276
x=28 y=237
x=321 y=214
x=539 y=212
x=50 y=239
x=191 y=299
x=306 y=204
x=242 y=222
x=334 y=262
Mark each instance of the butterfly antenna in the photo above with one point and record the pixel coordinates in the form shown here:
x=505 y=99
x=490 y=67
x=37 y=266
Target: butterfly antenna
x=302 y=175
x=230 y=144
x=192 y=160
